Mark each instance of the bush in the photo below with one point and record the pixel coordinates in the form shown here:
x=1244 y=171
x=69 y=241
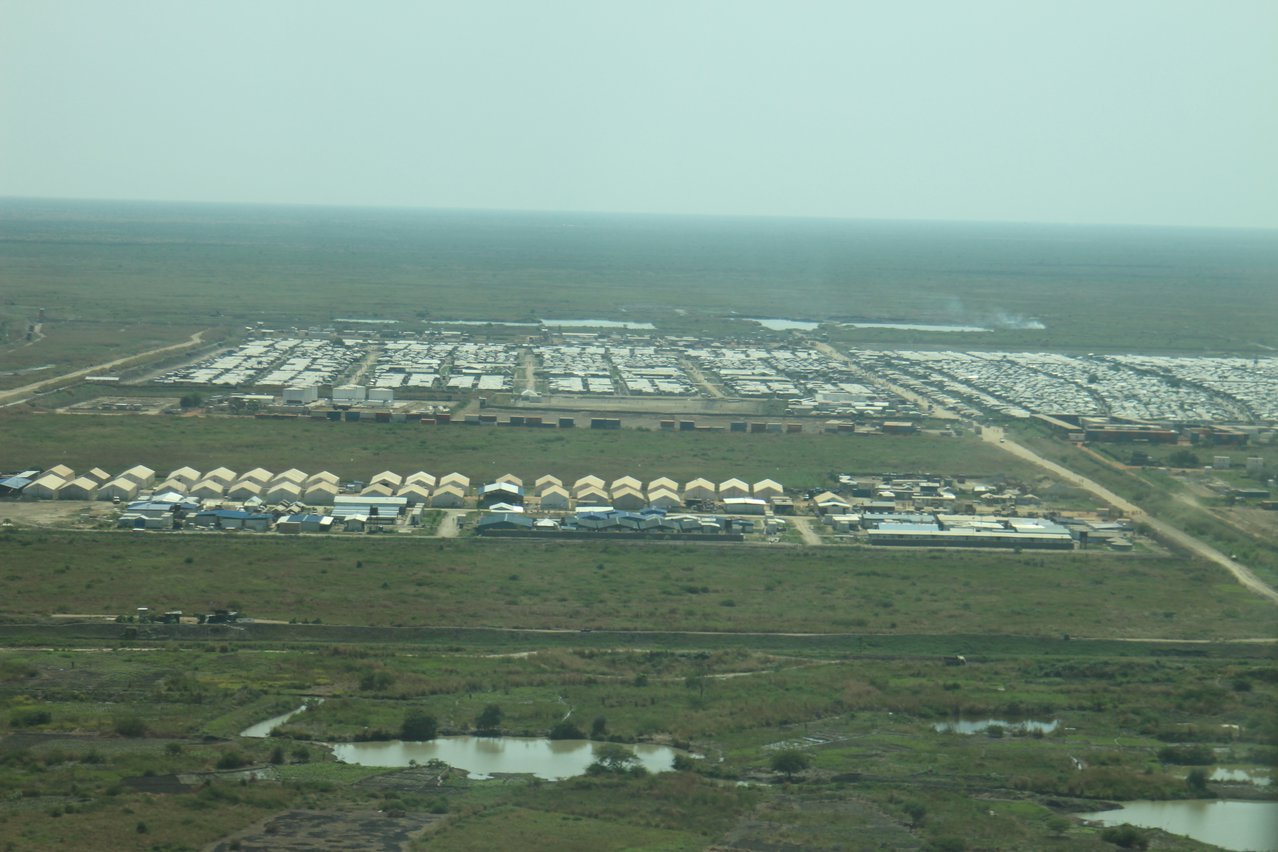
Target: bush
x=232 y=760
x=27 y=717
x=379 y=680
x=130 y=726
x=1126 y=836
x=1187 y=755
x=418 y=726
x=566 y=730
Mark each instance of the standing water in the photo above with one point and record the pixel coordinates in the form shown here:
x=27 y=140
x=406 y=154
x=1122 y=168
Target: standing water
x=551 y=760
x=1227 y=824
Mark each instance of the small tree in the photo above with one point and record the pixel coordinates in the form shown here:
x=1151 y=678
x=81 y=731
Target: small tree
x=566 y=730
x=613 y=758
x=418 y=726
x=1126 y=836
x=598 y=728
x=130 y=726
x=489 y=720
x=789 y=762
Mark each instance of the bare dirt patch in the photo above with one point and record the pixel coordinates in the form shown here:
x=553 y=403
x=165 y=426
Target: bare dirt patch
x=322 y=831
x=55 y=513
x=790 y=824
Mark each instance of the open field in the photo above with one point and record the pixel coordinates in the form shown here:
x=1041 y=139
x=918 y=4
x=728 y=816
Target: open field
x=1164 y=496
x=360 y=449
x=137 y=747
x=424 y=582
x=1093 y=288
x=66 y=346
x=1143 y=667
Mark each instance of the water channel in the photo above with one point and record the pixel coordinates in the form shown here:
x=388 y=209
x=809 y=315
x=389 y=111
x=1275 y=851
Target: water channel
x=1251 y=826
x=264 y=727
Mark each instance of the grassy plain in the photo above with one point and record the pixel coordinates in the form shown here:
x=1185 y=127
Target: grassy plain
x=1165 y=496
x=120 y=722
x=359 y=450
x=836 y=652
x=414 y=581
x=1093 y=288
x=66 y=346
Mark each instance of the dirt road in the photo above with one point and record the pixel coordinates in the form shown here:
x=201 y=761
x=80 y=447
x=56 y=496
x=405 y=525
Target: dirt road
x=17 y=395
x=804 y=528
x=1241 y=573
x=448 y=524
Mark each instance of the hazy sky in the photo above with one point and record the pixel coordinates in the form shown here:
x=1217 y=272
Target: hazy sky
x=1157 y=112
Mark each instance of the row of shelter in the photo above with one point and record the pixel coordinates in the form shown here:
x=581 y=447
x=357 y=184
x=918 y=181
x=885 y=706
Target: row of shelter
x=420 y=488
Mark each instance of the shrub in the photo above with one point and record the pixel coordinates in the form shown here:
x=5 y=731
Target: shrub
x=27 y=717
x=130 y=726
x=566 y=730
x=1187 y=755
x=418 y=726
x=1126 y=836
x=232 y=760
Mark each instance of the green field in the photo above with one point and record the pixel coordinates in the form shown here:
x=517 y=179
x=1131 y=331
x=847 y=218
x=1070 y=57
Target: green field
x=359 y=450
x=1150 y=668
x=414 y=581
x=112 y=721
x=1093 y=288
x=65 y=347
x=1165 y=496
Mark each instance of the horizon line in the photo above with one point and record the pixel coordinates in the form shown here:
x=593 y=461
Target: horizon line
x=320 y=205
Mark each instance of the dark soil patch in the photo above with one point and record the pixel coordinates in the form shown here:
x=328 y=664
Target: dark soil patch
x=318 y=831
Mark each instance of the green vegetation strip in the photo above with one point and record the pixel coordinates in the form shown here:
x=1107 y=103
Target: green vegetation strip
x=420 y=582
x=359 y=450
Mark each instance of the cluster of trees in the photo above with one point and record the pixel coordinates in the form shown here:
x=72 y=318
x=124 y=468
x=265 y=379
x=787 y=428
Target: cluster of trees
x=419 y=726
x=610 y=758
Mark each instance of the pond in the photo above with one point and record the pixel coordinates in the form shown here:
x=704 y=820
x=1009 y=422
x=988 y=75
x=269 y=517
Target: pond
x=481 y=757
x=1227 y=824
x=979 y=726
x=915 y=326
x=597 y=323
x=548 y=759
x=786 y=324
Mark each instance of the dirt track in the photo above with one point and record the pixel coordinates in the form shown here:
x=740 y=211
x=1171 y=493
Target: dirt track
x=16 y=395
x=1167 y=532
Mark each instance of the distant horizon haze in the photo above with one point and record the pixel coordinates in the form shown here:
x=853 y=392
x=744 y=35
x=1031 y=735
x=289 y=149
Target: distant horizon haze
x=638 y=214
x=1138 y=112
